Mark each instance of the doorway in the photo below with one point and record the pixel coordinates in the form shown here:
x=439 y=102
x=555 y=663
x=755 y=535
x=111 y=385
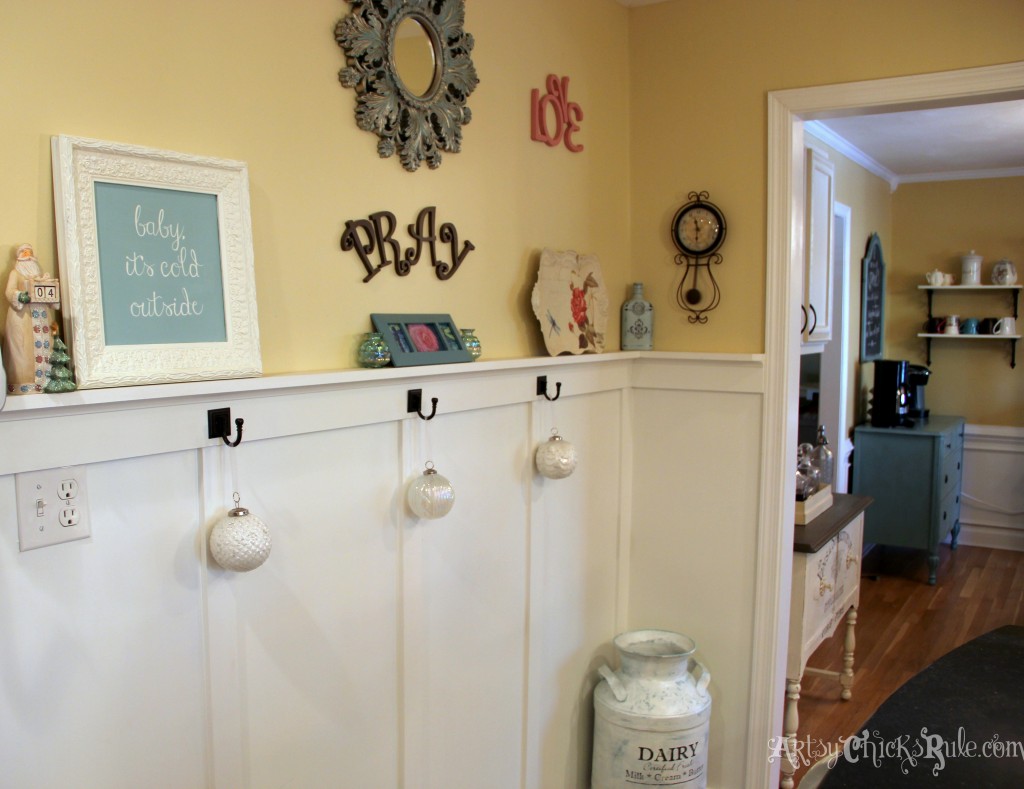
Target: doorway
x=787 y=110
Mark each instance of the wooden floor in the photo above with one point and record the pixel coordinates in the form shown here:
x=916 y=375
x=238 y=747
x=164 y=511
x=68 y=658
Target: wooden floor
x=903 y=625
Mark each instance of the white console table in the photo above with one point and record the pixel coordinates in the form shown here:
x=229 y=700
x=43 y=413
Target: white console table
x=826 y=590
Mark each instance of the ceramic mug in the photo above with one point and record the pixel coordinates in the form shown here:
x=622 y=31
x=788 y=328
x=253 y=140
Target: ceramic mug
x=935 y=325
x=952 y=324
x=969 y=326
x=1006 y=326
x=986 y=325
x=948 y=279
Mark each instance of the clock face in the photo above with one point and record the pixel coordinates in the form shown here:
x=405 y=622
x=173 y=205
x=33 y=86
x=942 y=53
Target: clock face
x=698 y=229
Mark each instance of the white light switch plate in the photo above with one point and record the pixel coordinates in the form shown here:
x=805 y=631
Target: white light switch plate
x=52 y=507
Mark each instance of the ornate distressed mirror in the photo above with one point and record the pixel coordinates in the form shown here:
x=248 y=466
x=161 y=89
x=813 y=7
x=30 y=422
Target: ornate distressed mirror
x=409 y=63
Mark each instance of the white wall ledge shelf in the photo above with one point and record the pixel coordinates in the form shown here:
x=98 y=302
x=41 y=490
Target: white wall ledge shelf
x=97 y=425
x=126 y=396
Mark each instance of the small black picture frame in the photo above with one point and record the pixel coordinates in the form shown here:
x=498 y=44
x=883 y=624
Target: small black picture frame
x=421 y=339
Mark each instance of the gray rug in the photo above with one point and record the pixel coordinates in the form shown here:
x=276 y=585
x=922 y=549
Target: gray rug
x=958 y=723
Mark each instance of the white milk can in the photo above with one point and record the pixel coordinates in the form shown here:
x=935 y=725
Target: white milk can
x=651 y=718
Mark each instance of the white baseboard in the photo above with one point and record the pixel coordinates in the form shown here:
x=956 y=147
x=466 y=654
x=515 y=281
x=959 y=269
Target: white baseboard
x=984 y=536
x=992 y=499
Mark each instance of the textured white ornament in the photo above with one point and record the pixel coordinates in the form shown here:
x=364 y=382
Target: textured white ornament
x=240 y=541
x=430 y=495
x=556 y=457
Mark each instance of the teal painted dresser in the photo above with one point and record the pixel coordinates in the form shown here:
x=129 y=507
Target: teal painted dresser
x=913 y=474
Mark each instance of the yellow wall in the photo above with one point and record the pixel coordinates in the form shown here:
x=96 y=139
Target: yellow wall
x=936 y=223
x=673 y=96
x=257 y=81
x=700 y=73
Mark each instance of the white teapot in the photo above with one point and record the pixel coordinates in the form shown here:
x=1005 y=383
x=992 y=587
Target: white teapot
x=935 y=277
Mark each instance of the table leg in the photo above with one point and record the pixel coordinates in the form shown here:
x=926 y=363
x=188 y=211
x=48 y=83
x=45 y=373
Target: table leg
x=849 y=645
x=790 y=724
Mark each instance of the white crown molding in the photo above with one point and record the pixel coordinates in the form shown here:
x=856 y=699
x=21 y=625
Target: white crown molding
x=821 y=132
x=962 y=175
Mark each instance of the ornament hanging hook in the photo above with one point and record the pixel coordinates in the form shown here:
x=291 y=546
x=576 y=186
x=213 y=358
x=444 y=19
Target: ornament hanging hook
x=542 y=388
x=414 y=404
x=218 y=424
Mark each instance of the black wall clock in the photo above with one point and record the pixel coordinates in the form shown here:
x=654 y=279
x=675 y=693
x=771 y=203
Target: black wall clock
x=698 y=230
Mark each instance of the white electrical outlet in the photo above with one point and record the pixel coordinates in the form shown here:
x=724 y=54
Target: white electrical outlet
x=52 y=507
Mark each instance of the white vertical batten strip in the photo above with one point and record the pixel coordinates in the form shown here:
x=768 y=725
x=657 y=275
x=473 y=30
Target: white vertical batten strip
x=626 y=484
x=529 y=491
x=225 y=658
x=400 y=520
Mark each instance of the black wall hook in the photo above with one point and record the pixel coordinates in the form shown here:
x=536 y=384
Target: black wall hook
x=414 y=404
x=542 y=388
x=218 y=424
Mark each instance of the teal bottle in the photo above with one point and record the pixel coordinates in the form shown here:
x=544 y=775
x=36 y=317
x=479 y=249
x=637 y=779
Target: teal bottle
x=637 y=321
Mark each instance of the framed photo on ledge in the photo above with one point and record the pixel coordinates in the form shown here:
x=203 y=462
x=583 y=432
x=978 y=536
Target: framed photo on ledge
x=421 y=339
x=156 y=264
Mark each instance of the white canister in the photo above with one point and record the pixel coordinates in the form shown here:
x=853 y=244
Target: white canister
x=970 y=269
x=651 y=719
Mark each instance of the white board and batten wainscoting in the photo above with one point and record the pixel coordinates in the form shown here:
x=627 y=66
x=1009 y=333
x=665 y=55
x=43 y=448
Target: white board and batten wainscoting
x=992 y=499
x=375 y=650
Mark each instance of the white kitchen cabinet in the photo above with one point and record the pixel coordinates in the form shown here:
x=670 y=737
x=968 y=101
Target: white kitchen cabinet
x=816 y=328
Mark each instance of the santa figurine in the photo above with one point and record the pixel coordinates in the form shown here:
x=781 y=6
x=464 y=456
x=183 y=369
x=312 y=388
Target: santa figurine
x=32 y=298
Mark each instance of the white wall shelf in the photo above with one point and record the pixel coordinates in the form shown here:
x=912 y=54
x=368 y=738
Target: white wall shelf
x=1013 y=290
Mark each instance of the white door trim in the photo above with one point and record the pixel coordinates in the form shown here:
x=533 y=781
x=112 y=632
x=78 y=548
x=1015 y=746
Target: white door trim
x=787 y=109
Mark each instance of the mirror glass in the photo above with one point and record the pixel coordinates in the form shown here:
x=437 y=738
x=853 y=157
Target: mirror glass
x=414 y=57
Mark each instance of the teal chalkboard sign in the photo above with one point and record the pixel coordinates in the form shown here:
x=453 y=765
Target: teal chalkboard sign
x=160 y=268
x=872 y=301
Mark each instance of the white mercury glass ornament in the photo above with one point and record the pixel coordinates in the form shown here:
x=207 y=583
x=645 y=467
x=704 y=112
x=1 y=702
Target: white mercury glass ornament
x=430 y=495
x=240 y=541
x=556 y=457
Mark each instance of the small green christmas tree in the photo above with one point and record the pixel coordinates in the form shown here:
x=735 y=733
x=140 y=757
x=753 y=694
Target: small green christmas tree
x=60 y=379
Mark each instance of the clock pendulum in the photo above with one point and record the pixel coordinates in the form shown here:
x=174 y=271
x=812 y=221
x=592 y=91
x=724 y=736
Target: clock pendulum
x=698 y=230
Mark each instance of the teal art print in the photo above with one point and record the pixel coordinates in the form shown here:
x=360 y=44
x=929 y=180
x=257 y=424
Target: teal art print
x=156 y=264
x=159 y=252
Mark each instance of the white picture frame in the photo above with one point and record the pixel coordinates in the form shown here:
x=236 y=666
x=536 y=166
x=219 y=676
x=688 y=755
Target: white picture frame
x=118 y=333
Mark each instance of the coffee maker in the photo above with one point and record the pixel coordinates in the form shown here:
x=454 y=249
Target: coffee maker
x=888 y=407
x=917 y=380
